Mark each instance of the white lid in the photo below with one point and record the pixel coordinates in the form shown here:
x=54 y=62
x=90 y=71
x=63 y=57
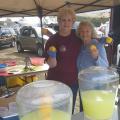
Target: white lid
x=98 y=74
x=43 y=92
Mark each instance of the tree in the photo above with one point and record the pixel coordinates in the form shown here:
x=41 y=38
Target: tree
x=95 y=21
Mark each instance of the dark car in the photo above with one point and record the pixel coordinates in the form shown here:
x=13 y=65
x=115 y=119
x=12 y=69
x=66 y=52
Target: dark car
x=6 y=38
x=30 y=38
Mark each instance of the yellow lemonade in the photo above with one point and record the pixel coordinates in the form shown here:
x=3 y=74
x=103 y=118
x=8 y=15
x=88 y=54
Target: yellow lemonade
x=98 y=104
x=54 y=115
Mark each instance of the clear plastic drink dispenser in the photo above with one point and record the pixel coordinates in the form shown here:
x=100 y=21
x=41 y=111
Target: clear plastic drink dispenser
x=44 y=100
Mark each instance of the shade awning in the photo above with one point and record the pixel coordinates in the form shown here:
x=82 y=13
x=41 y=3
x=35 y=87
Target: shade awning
x=24 y=8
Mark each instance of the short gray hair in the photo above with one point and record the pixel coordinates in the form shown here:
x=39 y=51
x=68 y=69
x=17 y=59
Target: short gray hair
x=87 y=23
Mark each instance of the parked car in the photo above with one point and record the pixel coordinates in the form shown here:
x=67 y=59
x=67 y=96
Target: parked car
x=30 y=38
x=54 y=26
x=14 y=34
x=6 y=38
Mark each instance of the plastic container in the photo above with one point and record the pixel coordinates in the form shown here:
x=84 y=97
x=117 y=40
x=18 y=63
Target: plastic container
x=3 y=67
x=44 y=100
x=98 y=87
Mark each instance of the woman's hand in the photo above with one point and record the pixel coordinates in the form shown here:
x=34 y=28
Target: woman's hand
x=94 y=51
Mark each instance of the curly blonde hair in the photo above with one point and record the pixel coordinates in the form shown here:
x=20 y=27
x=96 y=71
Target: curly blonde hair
x=87 y=23
x=66 y=11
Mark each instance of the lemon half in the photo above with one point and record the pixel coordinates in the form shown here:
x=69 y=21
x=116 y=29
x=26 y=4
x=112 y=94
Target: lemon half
x=52 y=48
x=93 y=47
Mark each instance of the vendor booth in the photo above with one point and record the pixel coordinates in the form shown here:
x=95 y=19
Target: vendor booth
x=41 y=8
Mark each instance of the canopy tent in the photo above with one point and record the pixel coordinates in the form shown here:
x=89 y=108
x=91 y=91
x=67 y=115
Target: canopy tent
x=50 y=7
x=24 y=8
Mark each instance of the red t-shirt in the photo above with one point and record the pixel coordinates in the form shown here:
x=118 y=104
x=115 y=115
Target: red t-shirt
x=67 y=52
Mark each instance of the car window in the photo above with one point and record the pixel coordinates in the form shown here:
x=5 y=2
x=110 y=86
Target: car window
x=6 y=31
x=32 y=33
x=26 y=32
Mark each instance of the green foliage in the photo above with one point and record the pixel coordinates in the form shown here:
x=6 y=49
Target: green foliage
x=96 y=21
x=1 y=23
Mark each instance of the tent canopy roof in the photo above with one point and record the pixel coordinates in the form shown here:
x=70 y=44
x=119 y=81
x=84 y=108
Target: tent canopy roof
x=24 y=8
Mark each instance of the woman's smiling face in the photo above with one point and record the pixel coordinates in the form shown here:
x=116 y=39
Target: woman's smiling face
x=85 y=33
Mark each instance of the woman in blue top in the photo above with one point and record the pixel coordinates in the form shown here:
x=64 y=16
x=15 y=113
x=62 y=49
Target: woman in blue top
x=92 y=52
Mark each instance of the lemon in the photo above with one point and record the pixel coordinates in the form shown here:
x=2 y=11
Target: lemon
x=109 y=40
x=46 y=107
x=52 y=48
x=93 y=47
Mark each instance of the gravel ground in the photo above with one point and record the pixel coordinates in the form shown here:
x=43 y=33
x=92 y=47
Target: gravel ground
x=7 y=53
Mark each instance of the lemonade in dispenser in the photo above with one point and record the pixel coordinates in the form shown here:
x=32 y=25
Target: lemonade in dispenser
x=98 y=87
x=44 y=100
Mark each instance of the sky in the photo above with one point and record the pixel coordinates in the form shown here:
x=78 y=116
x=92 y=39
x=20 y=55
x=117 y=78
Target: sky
x=36 y=20
x=30 y=20
x=100 y=13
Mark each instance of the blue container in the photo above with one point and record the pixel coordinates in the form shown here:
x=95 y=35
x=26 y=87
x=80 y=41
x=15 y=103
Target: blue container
x=3 y=65
x=12 y=117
